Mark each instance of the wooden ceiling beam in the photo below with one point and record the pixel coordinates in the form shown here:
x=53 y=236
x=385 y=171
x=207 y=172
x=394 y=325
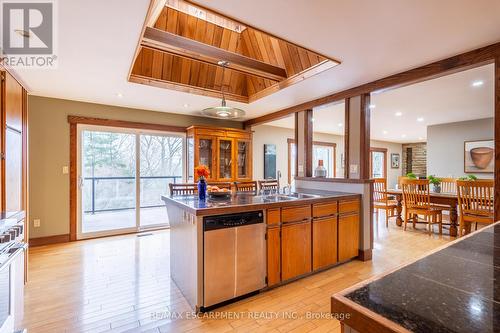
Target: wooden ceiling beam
x=188 y=48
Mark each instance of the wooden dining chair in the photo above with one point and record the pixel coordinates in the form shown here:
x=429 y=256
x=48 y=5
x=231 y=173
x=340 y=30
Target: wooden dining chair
x=246 y=187
x=221 y=185
x=417 y=201
x=475 y=203
x=382 y=201
x=449 y=185
x=268 y=184
x=183 y=189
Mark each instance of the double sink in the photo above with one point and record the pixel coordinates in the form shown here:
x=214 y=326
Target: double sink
x=287 y=197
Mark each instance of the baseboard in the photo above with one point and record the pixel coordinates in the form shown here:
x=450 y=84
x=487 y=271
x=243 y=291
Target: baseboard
x=365 y=255
x=39 y=241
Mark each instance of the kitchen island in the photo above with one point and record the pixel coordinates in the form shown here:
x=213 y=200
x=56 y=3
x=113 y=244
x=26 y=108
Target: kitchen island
x=453 y=289
x=226 y=248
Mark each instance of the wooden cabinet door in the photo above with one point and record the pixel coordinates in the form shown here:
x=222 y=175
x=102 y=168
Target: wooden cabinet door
x=205 y=153
x=324 y=240
x=273 y=255
x=13 y=103
x=225 y=159
x=295 y=249
x=348 y=230
x=243 y=159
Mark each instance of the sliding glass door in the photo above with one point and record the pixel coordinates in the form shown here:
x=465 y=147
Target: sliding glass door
x=161 y=163
x=122 y=175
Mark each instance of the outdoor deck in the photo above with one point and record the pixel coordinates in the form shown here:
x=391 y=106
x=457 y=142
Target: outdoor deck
x=119 y=219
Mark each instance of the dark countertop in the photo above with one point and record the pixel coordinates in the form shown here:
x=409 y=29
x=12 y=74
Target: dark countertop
x=456 y=289
x=246 y=202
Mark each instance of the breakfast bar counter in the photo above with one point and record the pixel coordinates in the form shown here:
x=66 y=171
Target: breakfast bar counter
x=241 y=202
x=454 y=289
x=225 y=248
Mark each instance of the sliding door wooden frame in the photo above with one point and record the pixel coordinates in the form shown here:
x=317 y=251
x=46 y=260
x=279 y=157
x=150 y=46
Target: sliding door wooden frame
x=74 y=121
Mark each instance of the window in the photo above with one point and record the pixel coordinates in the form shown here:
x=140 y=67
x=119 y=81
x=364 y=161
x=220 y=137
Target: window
x=378 y=163
x=325 y=151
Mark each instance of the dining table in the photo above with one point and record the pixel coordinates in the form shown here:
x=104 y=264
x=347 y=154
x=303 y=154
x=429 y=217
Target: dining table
x=442 y=198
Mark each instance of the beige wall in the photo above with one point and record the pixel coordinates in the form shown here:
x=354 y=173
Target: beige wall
x=264 y=134
x=49 y=152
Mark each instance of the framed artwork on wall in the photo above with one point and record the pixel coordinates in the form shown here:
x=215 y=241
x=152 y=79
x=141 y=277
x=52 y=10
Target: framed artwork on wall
x=395 y=160
x=269 y=161
x=479 y=156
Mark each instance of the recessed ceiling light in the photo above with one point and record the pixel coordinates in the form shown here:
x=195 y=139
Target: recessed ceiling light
x=186 y=105
x=340 y=124
x=403 y=136
x=477 y=83
x=372 y=106
x=312 y=119
x=385 y=132
x=398 y=114
x=420 y=119
x=119 y=95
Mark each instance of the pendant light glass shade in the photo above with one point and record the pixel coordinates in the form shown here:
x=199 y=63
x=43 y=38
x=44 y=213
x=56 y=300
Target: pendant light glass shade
x=223 y=111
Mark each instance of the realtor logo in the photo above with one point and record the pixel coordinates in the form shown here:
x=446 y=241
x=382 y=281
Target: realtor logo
x=28 y=33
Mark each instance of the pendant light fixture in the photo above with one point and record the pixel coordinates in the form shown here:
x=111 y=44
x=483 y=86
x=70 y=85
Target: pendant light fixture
x=223 y=111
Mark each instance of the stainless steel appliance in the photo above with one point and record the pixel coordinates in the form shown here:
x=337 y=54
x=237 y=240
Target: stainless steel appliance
x=12 y=249
x=234 y=262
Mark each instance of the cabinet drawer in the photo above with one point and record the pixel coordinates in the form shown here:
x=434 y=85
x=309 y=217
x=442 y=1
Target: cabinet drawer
x=349 y=206
x=324 y=209
x=273 y=216
x=294 y=214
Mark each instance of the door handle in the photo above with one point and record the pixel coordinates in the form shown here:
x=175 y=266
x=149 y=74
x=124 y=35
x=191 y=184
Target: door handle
x=80 y=182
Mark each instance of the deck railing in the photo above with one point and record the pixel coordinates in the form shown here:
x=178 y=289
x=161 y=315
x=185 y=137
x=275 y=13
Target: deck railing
x=127 y=198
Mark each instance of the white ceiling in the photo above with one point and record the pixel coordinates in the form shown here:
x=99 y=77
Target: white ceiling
x=447 y=99
x=373 y=39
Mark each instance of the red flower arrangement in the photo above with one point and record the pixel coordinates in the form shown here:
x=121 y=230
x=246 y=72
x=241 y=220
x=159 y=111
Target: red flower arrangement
x=202 y=171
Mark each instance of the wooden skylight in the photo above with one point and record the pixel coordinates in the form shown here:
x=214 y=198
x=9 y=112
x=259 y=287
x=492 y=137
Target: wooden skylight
x=182 y=43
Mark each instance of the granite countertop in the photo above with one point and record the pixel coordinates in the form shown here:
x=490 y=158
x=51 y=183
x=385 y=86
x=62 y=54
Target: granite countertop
x=456 y=289
x=246 y=202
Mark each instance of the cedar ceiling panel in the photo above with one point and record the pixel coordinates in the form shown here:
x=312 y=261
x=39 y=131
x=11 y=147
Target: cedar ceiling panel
x=234 y=82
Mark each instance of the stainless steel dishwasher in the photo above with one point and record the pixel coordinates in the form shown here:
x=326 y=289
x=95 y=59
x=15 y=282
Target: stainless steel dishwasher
x=234 y=262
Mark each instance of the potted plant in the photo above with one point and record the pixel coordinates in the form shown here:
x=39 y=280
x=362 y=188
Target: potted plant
x=202 y=173
x=411 y=175
x=469 y=177
x=436 y=183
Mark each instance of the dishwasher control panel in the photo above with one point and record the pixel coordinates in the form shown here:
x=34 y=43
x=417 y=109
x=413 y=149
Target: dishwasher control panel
x=232 y=220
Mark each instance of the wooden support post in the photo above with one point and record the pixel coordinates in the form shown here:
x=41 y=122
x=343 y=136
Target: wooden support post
x=364 y=142
x=304 y=143
x=357 y=137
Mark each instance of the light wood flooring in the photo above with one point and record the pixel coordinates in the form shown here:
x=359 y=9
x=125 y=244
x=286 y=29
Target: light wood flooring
x=122 y=284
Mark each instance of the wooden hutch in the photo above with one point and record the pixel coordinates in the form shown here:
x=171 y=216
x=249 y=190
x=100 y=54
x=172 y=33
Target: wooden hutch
x=226 y=151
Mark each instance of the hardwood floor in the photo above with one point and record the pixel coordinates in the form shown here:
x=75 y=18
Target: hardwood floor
x=122 y=284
